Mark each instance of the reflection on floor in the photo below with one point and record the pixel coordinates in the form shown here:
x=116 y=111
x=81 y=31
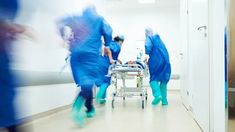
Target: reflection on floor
x=231 y=123
x=125 y=117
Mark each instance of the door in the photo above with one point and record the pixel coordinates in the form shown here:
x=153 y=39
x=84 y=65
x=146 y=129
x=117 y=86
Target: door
x=185 y=90
x=199 y=61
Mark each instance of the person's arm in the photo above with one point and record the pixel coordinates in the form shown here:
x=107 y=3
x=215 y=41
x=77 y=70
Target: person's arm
x=15 y=29
x=148 y=48
x=11 y=27
x=108 y=52
x=106 y=32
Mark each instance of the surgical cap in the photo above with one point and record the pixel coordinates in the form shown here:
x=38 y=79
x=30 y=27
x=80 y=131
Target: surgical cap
x=148 y=32
x=121 y=37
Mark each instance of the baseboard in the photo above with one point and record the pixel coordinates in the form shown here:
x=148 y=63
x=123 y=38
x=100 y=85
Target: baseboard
x=49 y=112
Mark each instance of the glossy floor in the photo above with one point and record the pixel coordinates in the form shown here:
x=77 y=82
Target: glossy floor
x=125 y=117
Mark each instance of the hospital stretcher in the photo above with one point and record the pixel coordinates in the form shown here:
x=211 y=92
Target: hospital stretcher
x=123 y=72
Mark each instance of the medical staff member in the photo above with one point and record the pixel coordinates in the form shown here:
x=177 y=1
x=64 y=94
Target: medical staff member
x=114 y=51
x=159 y=66
x=85 y=44
x=8 y=33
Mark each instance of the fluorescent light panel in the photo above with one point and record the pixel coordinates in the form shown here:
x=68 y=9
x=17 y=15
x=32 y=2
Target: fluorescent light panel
x=146 y=1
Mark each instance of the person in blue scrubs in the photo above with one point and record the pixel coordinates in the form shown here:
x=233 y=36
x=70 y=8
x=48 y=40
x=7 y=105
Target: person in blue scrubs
x=226 y=66
x=159 y=66
x=115 y=49
x=8 y=33
x=87 y=29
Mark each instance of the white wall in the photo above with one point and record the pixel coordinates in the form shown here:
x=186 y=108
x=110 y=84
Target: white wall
x=132 y=24
x=33 y=100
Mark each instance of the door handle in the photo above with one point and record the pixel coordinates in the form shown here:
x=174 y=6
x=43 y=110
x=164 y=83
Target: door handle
x=201 y=28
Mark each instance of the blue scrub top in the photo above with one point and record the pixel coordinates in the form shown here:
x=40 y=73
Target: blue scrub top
x=159 y=62
x=115 y=49
x=88 y=29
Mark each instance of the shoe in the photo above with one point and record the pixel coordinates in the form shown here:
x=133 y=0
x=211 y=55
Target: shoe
x=91 y=113
x=164 y=102
x=156 y=100
x=78 y=117
x=101 y=94
x=102 y=101
x=78 y=111
x=163 y=88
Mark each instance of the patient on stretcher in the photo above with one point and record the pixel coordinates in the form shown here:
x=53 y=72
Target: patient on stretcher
x=135 y=62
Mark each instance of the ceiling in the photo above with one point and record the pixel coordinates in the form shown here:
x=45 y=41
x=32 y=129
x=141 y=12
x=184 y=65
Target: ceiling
x=136 y=4
x=118 y=6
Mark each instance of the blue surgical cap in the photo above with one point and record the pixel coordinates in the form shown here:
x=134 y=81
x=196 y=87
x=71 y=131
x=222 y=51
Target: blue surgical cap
x=148 y=32
x=121 y=37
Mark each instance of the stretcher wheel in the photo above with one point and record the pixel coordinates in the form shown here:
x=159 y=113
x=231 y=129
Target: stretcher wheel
x=146 y=96
x=113 y=103
x=142 y=104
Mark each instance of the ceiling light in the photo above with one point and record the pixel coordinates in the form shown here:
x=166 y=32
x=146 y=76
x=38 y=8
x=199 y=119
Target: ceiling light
x=146 y=1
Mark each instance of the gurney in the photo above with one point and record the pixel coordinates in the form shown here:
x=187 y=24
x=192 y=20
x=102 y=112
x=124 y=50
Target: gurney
x=117 y=71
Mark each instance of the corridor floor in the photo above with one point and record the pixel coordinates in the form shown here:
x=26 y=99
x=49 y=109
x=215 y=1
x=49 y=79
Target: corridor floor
x=125 y=117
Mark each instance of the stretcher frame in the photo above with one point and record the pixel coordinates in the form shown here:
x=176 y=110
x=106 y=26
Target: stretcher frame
x=124 y=71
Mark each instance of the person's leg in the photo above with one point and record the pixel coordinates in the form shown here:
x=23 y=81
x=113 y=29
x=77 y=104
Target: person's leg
x=101 y=95
x=13 y=128
x=226 y=94
x=77 y=110
x=156 y=92
x=78 y=105
x=163 y=87
x=85 y=97
x=87 y=94
x=7 y=95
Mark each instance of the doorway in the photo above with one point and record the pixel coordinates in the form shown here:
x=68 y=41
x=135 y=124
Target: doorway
x=231 y=63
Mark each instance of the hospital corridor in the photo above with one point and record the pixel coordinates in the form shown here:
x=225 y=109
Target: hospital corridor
x=117 y=66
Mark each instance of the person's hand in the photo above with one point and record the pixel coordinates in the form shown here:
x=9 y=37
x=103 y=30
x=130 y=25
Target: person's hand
x=131 y=62
x=65 y=44
x=119 y=61
x=29 y=33
x=146 y=61
x=111 y=61
x=18 y=31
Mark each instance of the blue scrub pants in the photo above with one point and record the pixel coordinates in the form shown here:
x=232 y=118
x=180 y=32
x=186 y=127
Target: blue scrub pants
x=84 y=73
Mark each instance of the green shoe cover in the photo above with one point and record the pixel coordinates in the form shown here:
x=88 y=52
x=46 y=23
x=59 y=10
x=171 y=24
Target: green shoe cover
x=156 y=100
